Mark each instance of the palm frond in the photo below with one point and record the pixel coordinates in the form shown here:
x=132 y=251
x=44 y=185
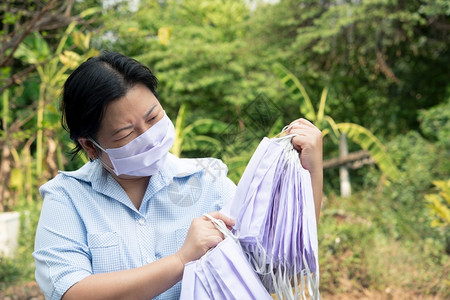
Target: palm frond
x=179 y=136
x=297 y=90
x=368 y=141
x=323 y=100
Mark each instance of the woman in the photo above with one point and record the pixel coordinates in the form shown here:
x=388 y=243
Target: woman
x=124 y=225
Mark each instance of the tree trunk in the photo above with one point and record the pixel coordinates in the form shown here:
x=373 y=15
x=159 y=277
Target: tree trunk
x=346 y=189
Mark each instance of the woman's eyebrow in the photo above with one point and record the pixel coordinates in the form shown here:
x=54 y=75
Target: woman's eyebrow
x=149 y=111
x=121 y=129
x=131 y=126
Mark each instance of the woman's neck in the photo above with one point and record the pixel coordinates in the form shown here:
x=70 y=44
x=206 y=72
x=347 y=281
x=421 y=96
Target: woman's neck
x=135 y=188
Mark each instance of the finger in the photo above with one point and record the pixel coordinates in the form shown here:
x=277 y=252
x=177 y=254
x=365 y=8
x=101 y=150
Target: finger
x=227 y=220
x=213 y=232
x=299 y=128
x=297 y=145
x=203 y=221
x=302 y=141
x=306 y=131
x=213 y=241
x=301 y=121
x=295 y=122
x=302 y=132
x=302 y=124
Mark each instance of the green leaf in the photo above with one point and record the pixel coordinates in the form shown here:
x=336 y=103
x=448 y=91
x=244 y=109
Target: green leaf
x=332 y=127
x=17 y=179
x=177 y=144
x=90 y=11
x=368 y=141
x=33 y=49
x=323 y=100
x=70 y=59
x=297 y=91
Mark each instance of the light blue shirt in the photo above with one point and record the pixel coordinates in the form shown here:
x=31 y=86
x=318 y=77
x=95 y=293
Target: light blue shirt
x=89 y=225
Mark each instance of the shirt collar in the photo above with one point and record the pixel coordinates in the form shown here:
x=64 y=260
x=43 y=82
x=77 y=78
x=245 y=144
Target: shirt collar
x=173 y=167
x=180 y=167
x=103 y=182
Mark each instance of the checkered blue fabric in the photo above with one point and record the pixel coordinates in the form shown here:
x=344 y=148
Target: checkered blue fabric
x=89 y=225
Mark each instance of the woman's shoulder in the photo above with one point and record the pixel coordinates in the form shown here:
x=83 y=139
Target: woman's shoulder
x=84 y=175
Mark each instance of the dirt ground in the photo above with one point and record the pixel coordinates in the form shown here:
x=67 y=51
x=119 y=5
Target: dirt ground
x=31 y=291
x=26 y=291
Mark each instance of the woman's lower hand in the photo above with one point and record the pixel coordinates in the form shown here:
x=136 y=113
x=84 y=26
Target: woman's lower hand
x=202 y=236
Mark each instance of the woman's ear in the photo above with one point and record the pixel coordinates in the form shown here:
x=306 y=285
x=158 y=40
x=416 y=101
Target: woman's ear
x=89 y=147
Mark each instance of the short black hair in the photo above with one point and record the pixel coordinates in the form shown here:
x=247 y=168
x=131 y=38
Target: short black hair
x=93 y=85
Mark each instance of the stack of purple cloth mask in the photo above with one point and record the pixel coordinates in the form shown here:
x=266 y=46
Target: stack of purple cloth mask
x=223 y=273
x=275 y=220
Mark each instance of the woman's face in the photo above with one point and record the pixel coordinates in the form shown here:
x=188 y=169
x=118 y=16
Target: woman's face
x=128 y=117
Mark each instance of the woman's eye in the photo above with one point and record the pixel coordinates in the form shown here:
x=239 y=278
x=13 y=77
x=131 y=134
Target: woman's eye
x=151 y=119
x=125 y=136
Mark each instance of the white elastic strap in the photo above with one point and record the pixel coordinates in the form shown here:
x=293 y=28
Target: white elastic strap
x=96 y=144
x=297 y=294
x=220 y=225
x=285 y=128
x=286 y=137
x=101 y=161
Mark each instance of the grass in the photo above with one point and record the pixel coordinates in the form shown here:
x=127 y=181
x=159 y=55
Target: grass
x=360 y=251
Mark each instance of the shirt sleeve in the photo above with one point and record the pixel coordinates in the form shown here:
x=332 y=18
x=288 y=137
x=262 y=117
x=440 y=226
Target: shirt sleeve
x=228 y=191
x=61 y=254
x=227 y=186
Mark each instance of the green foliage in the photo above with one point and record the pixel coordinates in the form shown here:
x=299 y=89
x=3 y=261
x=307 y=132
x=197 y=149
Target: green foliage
x=344 y=249
x=420 y=163
x=9 y=272
x=298 y=92
x=439 y=208
x=435 y=124
x=358 y=252
x=20 y=268
x=30 y=213
x=368 y=141
x=32 y=138
x=205 y=62
x=402 y=219
x=357 y=133
x=193 y=137
x=439 y=203
x=373 y=53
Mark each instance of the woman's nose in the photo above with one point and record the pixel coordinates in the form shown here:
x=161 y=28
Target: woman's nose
x=142 y=127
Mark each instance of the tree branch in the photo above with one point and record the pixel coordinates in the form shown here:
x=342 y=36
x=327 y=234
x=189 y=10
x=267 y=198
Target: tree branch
x=27 y=30
x=385 y=69
x=15 y=78
x=353 y=160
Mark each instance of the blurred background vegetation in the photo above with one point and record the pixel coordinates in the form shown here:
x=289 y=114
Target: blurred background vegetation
x=234 y=71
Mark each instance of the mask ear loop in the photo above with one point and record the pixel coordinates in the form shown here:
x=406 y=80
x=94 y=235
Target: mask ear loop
x=282 y=132
x=97 y=144
x=103 y=149
x=220 y=225
x=283 y=135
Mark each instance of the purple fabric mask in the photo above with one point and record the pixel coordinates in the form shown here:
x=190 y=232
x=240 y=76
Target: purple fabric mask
x=144 y=155
x=222 y=274
x=275 y=219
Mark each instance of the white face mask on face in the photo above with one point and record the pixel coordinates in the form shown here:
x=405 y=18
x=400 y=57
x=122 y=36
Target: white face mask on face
x=144 y=155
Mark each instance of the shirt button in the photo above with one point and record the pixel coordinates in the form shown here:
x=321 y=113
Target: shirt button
x=149 y=260
x=142 y=221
